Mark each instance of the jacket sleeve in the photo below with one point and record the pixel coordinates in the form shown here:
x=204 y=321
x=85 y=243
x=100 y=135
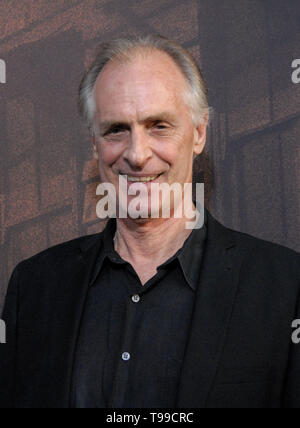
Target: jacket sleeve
x=8 y=349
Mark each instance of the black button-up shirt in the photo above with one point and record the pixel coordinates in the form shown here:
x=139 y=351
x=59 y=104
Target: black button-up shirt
x=133 y=337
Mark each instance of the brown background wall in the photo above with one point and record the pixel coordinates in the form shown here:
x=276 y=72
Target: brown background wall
x=47 y=177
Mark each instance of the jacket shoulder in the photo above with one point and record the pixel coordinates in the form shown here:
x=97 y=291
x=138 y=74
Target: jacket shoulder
x=276 y=260
x=259 y=244
x=56 y=254
x=258 y=251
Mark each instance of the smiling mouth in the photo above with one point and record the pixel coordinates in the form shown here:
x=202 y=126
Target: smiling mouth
x=143 y=179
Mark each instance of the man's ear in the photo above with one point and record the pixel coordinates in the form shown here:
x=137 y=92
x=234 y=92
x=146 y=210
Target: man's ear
x=95 y=148
x=200 y=137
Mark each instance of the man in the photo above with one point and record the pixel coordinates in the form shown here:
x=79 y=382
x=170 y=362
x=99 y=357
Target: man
x=150 y=313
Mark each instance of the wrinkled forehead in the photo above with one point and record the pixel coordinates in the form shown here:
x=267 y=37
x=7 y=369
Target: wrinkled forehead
x=139 y=83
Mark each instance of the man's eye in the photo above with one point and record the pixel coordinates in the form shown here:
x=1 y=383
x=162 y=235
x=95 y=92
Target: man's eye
x=113 y=131
x=116 y=130
x=160 y=126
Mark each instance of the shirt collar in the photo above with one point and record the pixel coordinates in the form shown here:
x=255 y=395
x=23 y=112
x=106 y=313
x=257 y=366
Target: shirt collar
x=189 y=256
x=108 y=239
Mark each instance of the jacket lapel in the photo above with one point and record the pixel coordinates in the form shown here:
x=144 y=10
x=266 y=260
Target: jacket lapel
x=213 y=308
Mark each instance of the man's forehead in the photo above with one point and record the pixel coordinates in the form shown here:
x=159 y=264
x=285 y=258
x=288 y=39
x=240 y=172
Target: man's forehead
x=137 y=94
x=156 y=71
x=139 y=105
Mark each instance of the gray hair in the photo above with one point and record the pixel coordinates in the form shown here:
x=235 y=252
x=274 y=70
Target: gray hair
x=123 y=49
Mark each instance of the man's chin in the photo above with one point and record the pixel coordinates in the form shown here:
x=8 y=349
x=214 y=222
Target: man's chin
x=137 y=213
x=144 y=213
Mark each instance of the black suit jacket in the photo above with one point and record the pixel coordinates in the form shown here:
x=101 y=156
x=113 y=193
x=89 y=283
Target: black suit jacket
x=239 y=353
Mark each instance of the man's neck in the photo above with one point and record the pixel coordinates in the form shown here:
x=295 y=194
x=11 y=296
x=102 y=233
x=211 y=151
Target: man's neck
x=150 y=242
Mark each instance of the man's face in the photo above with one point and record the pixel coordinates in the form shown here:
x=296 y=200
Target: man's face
x=145 y=127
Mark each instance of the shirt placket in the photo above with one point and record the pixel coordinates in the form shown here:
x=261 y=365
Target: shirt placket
x=127 y=356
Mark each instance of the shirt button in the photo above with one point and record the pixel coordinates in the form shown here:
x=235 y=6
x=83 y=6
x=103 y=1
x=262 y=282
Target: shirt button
x=135 y=298
x=125 y=356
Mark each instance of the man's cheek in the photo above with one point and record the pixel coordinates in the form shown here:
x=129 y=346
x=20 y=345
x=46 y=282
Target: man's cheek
x=106 y=156
x=170 y=160
x=104 y=168
x=109 y=152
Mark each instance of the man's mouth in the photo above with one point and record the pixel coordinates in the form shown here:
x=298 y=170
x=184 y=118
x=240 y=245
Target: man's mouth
x=142 y=179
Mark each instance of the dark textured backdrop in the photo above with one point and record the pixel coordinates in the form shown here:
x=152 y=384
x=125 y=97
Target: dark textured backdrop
x=47 y=177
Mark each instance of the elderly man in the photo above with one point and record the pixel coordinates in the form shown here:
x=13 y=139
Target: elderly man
x=149 y=313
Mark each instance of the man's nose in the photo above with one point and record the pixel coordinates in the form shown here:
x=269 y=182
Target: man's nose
x=139 y=150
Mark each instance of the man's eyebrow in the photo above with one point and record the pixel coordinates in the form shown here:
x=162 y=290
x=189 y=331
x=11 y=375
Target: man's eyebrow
x=107 y=124
x=160 y=117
